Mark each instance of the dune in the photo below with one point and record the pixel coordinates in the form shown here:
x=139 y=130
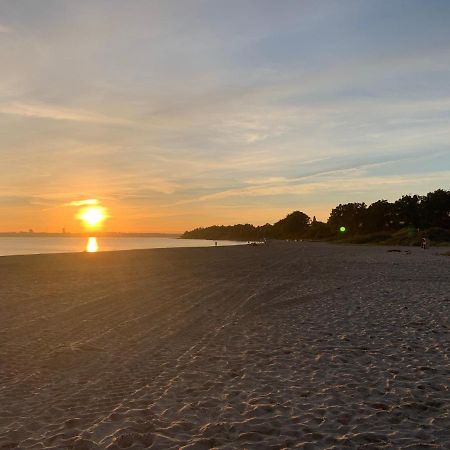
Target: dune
x=289 y=345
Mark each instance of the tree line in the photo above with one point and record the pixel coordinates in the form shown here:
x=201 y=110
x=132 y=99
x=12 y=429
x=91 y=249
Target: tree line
x=404 y=221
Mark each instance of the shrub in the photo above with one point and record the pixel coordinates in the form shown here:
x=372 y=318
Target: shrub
x=405 y=236
x=437 y=234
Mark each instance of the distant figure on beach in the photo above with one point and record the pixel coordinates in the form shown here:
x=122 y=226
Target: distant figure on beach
x=424 y=244
x=216 y=243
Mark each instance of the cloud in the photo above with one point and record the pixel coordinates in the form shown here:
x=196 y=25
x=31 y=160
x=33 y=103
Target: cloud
x=14 y=200
x=350 y=181
x=89 y=201
x=45 y=111
x=345 y=176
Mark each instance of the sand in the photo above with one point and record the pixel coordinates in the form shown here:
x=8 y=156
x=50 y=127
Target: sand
x=303 y=345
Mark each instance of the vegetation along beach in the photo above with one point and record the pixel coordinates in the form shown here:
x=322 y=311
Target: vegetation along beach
x=407 y=221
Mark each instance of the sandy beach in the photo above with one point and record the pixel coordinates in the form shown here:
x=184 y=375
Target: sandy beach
x=303 y=345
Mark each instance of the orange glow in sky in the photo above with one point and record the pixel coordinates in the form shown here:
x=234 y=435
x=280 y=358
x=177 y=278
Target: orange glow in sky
x=242 y=124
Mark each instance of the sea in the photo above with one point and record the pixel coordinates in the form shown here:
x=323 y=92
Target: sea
x=41 y=244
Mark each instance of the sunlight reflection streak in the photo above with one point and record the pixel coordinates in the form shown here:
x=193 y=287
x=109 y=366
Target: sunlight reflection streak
x=92 y=245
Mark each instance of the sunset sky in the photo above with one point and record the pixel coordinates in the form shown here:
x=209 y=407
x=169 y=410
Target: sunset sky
x=178 y=114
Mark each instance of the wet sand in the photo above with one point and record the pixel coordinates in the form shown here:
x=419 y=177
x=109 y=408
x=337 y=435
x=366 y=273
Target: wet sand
x=304 y=345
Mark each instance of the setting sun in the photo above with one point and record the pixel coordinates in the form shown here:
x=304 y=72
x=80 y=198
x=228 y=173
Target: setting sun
x=92 y=216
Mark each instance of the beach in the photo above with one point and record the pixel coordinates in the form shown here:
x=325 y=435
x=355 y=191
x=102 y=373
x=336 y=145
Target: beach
x=285 y=345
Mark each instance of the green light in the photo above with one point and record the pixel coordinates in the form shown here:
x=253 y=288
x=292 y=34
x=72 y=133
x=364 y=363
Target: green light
x=342 y=229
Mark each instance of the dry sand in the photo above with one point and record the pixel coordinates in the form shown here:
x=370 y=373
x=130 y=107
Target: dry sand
x=310 y=346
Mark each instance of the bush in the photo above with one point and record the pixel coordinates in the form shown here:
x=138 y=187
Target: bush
x=437 y=234
x=405 y=236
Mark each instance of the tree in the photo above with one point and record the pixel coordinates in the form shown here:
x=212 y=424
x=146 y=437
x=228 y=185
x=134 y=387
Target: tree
x=293 y=226
x=379 y=216
x=350 y=215
x=319 y=230
x=264 y=231
x=435 y=209
x=407 y=211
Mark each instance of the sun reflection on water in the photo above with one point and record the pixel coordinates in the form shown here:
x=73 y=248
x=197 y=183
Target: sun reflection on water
x=92 y=245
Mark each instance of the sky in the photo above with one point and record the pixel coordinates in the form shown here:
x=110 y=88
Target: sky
x=179 y=114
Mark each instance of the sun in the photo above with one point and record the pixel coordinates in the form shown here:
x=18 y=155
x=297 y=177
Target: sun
x=93 y=216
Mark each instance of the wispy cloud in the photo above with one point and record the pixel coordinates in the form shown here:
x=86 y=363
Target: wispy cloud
x=46 y=111
x=89 y=201
x=350 y=180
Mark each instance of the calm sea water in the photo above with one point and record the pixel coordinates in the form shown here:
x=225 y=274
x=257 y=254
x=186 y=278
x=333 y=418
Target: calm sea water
x=36 y=245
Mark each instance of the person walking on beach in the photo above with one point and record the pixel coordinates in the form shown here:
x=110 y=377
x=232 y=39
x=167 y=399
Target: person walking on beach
x=424 y=244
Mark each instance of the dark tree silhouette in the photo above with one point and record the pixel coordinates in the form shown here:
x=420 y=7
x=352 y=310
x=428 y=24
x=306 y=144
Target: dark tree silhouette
x=233 y=232
x=435 y=209
x=380 y=216
x=407 y=211
x=293 y=226
x=402 y=220
x=351 y=216
x=319 y=230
